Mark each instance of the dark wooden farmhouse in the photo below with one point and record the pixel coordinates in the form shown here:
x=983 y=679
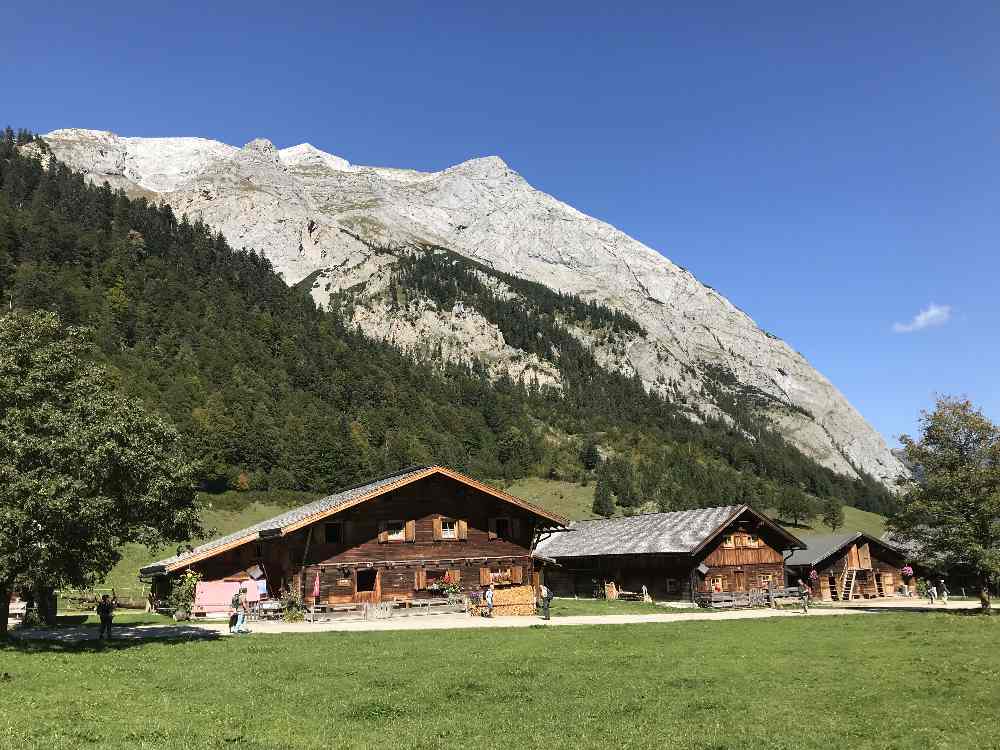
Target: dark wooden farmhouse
x=395 y=538
x=674 y=555
x=853 y=565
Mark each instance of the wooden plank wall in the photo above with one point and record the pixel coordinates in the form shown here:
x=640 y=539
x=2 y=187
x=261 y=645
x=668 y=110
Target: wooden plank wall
x=423 y=503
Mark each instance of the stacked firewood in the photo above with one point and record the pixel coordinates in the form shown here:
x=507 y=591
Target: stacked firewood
x=507 y=601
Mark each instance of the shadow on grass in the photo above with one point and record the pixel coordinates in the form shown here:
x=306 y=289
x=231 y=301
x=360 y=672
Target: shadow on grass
x=85 y=639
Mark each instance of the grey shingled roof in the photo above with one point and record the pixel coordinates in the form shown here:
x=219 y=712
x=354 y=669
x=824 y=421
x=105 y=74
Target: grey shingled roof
x=288 y=518
x=650 y=533
x=821 y=547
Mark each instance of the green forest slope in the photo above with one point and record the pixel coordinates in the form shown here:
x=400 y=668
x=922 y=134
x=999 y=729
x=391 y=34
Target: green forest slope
x=273 y=394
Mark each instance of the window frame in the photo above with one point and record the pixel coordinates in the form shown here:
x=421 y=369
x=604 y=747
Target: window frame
x=390 y=535
x=445 y=537
x=729 y=541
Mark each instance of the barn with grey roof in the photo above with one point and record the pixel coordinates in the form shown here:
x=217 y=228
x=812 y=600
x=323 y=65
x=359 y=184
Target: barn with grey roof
x=677 y=555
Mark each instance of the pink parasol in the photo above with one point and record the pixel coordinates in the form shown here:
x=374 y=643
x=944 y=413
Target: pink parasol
x=315 y=592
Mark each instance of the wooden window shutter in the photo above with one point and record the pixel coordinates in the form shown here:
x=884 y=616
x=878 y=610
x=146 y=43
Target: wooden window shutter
x=437 y=529
x=493 y=528
x=485 y=579
x=420 y=579
x=463 y=530
x=455 y=575
x=516 y=574
x=383 y=532
x=411 y=531
x=346 y=535
x=515 y=528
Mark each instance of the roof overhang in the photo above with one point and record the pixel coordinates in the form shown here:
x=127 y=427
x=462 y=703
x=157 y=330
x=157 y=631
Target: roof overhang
x=276 y=532
x=794 y=541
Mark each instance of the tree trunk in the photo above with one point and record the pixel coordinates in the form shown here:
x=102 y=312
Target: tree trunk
x=984 y=593
x=4 y=608
x=45 y=601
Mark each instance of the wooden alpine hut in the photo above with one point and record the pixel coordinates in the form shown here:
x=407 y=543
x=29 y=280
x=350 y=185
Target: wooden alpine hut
x=400 y=537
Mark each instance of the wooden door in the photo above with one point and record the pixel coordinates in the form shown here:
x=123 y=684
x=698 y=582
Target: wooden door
x=367 y=586
x=741 y=581
x=864 y=556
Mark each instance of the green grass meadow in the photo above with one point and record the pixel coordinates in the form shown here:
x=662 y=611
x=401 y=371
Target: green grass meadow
x=866 y=681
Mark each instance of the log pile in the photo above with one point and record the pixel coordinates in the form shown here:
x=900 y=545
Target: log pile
x=508 y=601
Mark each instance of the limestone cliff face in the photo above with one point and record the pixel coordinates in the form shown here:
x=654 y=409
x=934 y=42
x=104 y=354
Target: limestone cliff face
x=315 y=213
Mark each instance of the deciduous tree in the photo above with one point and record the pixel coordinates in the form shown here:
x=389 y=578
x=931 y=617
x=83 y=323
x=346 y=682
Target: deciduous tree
x=950 y=515
x=83 y=469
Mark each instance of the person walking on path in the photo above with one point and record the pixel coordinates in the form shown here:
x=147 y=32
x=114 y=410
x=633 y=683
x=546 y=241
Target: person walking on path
x=240 y=605
x=545 y=596
x=489 y=601
x=106 y=613
x=943 y=592
x=931 y=593
x=804 y=596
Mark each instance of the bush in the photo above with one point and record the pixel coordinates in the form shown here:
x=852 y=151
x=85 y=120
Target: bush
x=294 y=610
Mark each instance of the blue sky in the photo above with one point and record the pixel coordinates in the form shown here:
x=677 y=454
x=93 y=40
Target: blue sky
x=833 y=171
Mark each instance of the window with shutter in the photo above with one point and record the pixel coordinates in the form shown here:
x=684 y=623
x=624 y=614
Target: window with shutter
x=449 y=529
x=395 y=531
x=516 y=574
x=485 y=579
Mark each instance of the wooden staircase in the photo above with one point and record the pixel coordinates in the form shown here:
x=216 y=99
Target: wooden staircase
x=847 y=586
x=879 y=590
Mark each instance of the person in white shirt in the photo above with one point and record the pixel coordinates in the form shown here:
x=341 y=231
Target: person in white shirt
x=489 y=601
x=545 y=600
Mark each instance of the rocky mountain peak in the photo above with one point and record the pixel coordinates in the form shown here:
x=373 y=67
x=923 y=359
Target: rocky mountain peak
x=315 y=215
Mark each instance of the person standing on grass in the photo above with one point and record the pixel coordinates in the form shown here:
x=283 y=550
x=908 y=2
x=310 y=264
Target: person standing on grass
x=106 y=613
x=804 y=596
x=943 y=591
x=489 y=601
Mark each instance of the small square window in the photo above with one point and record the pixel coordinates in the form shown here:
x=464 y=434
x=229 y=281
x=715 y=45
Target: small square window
x=395 y=531
x=333 y=533
x=673 y=585
x=718 y=583
x=503 y=528
x=729 y=541
x=449 y=529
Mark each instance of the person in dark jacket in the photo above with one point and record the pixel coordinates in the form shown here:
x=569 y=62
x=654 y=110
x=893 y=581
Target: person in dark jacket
x=106 y=613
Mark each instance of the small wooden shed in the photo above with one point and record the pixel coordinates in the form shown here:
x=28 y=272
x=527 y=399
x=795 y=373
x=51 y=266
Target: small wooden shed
x=852 y=565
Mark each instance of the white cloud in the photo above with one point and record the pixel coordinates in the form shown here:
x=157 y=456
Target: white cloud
x=930 y=316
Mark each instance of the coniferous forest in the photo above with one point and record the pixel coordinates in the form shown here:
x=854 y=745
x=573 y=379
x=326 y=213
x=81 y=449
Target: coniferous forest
x=271 y=392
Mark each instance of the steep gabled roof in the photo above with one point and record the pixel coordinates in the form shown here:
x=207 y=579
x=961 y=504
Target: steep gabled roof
x=821 y=547
x=679 y=532
x=296 y=518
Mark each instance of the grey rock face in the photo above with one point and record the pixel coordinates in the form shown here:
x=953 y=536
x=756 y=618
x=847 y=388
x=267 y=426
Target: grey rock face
x=305 y=209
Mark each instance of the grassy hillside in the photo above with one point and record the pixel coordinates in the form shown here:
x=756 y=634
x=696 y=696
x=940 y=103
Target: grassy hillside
x=854 y=520
x=567 y=499
x=221 y=514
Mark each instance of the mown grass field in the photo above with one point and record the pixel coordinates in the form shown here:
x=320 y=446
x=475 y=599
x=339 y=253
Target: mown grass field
x=866 y=681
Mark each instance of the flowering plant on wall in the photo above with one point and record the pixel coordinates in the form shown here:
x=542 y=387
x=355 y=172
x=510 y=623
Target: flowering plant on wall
x=813 y=575
x=907 y=571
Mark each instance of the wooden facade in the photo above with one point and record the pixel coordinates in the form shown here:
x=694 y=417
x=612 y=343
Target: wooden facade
x=862 y=567
x=399 y=545
x=745 y=554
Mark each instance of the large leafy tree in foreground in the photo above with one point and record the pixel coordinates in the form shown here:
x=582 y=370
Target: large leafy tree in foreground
x=951 y=514
x=83 y=470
